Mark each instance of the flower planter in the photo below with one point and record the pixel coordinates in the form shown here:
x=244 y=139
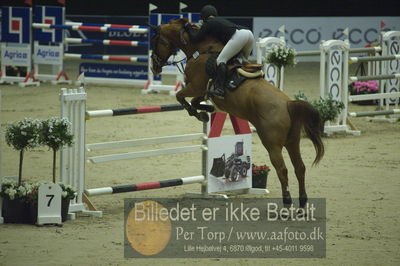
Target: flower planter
x=64 y=209
x=259 y=180
x=33 y=212
x=364 y=88
x=15 y=211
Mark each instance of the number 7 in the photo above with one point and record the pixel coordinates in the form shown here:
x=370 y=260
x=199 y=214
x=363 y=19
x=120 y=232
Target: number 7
x=51 y=198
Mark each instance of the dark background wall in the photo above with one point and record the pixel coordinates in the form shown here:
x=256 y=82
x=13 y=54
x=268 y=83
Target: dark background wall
x=248 y=8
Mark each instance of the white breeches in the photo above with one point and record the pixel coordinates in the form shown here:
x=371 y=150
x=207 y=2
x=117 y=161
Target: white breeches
x=241 y=41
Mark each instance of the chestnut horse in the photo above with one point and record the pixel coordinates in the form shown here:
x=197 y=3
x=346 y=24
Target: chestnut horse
x=277 y=119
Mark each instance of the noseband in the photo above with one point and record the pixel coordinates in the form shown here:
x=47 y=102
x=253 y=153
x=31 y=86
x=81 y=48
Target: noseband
x=154 y=43
x=163 y=41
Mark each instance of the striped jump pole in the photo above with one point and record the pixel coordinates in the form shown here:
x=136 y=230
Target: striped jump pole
x=375 y=113
x=374 y=96
x=136 y=29
x=374 y=58
x=145 y=186
x=107 y=42
x=134 y=110
x=351 y=51
x=107 y=57
x=375 y=77
x=70 y=23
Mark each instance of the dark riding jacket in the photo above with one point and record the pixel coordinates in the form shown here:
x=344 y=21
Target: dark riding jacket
x=218 y=28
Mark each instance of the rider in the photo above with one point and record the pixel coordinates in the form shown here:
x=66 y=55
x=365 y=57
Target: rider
x=234 y=37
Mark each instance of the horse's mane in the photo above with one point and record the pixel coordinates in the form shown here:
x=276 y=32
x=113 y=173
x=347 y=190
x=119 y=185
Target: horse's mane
x=182 y=21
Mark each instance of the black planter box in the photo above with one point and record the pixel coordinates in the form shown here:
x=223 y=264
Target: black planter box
x=15 y=211
x=259 y=181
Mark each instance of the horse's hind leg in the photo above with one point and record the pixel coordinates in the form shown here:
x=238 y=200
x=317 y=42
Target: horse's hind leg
x=272 y=138
x=293 y=148
x=275 y=154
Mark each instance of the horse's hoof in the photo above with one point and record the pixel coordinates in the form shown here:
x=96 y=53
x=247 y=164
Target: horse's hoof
x=203 y=117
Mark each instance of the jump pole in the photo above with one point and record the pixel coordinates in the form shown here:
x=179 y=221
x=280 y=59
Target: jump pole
x=145 y=186
x=107 y=42
x=374 y=113
x=134 y=29
x=134 y=110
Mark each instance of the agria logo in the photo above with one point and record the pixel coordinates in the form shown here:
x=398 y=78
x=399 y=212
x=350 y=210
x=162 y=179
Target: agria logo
x=15 y=55
x=47 y=53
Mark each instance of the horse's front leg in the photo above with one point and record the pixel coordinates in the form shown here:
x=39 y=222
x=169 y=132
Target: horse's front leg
x=188 y=91
x=196 y=103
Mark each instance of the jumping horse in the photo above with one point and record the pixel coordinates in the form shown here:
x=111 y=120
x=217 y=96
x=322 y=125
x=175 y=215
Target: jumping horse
x=278 y=119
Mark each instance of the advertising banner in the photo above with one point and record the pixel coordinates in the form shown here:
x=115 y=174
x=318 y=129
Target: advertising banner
x=50 y=55
x=305 y=33
x=114 y=71
x=16 y=55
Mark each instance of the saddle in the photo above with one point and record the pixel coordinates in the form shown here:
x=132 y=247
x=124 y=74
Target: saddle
x=238 y=71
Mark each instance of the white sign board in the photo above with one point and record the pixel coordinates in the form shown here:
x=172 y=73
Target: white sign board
x=50 y=55
x=16 y=55
x=306 y=33
x=49 y=204
x=229 y=163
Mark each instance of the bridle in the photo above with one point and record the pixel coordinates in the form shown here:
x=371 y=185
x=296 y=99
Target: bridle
x=159 y=39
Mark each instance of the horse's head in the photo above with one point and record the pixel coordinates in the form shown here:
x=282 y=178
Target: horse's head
x=165 y=43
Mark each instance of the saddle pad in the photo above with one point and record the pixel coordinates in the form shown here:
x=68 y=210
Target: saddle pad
x=250 y=67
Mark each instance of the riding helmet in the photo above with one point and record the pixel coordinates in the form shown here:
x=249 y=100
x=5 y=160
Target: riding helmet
x=207 y=11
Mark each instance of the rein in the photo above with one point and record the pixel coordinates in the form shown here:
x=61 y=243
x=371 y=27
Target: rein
x=179 y=64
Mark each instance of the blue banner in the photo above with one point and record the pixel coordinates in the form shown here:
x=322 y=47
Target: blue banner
x=16 y=25
x=49 y=15
x=192 y=17
x=114 y=71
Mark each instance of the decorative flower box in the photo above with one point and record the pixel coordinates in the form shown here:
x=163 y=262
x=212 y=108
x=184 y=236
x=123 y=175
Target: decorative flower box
x=259 y=176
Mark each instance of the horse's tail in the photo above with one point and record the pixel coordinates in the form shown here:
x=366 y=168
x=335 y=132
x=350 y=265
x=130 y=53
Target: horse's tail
x=303 y=114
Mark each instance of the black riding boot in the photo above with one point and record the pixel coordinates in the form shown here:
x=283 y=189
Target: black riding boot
x=220 y=80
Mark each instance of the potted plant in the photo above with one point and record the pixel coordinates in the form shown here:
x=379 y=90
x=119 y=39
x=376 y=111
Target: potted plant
x=259 y=175
x=281 y=56
x=328 y=108
x=15 y=207
x=364 y=87
x=20 y=199
x=55 y=133
x=21 y=135
x=68 y=193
